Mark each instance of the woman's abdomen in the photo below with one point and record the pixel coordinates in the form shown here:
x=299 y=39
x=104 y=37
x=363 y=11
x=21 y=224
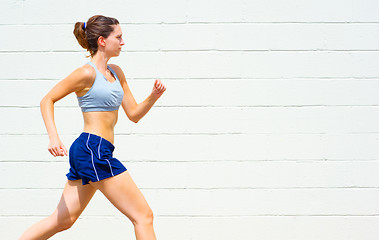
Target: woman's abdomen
x=101 y=124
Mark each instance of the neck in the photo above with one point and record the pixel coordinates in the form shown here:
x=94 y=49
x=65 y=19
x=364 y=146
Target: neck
x=101 y=61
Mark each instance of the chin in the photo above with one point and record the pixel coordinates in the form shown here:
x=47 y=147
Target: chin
x=116 y=54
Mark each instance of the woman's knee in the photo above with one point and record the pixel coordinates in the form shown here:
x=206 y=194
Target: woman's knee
x=65 y=224
x=62 y=222
x=144 y=218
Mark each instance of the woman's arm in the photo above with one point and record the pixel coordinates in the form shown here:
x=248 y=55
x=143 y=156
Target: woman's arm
x=133 y=110
x=142 y=108
x=76 y=81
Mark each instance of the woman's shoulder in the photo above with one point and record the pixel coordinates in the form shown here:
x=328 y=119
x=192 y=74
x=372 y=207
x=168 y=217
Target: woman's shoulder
x=81 y=77
x=115 y=67
x=118 y=71
x=86 y=72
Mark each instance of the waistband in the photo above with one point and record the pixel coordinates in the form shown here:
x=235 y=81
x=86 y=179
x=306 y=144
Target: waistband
x=95 y=139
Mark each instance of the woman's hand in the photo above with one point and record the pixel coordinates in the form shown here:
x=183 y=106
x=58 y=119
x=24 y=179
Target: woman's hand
x=56 y=147
x=158 y=89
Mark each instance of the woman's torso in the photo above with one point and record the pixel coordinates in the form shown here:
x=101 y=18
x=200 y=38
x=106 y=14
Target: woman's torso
x=100 y=102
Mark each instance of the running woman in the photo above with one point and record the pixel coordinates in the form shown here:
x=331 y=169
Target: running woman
x=100 y=89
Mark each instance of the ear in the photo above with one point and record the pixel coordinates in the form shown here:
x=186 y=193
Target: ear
x=101 y=41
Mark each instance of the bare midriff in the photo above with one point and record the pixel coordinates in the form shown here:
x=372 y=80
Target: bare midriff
x=101 y=124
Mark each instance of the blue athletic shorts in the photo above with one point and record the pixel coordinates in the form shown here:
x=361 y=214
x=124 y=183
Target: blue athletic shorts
x=91 y=159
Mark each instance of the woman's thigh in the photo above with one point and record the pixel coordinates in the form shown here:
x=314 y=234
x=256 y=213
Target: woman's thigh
x=74 y=199
x=124 y=194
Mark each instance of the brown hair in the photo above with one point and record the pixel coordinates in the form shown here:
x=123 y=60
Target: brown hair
x=95 y=27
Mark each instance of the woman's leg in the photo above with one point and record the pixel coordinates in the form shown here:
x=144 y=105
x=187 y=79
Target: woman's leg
x=74 y=199
x=124 y=194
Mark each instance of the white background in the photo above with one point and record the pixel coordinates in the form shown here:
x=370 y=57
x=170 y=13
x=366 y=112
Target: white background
x=268 y=128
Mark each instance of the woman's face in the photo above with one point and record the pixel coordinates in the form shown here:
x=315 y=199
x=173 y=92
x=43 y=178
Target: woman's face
x=114 y=41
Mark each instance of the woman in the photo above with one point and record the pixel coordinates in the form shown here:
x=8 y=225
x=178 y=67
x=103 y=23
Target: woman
x=100 y=89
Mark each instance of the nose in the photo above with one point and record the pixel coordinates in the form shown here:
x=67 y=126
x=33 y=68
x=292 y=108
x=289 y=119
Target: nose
x=122 y=42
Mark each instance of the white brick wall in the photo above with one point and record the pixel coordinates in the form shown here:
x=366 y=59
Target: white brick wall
x=268 y=128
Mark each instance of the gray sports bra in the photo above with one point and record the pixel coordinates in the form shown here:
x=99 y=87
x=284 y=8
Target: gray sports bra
x=103 y=95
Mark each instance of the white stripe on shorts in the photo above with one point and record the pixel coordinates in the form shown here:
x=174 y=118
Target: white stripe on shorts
x=110 y=167
x=92 y=157
x=98 y=149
